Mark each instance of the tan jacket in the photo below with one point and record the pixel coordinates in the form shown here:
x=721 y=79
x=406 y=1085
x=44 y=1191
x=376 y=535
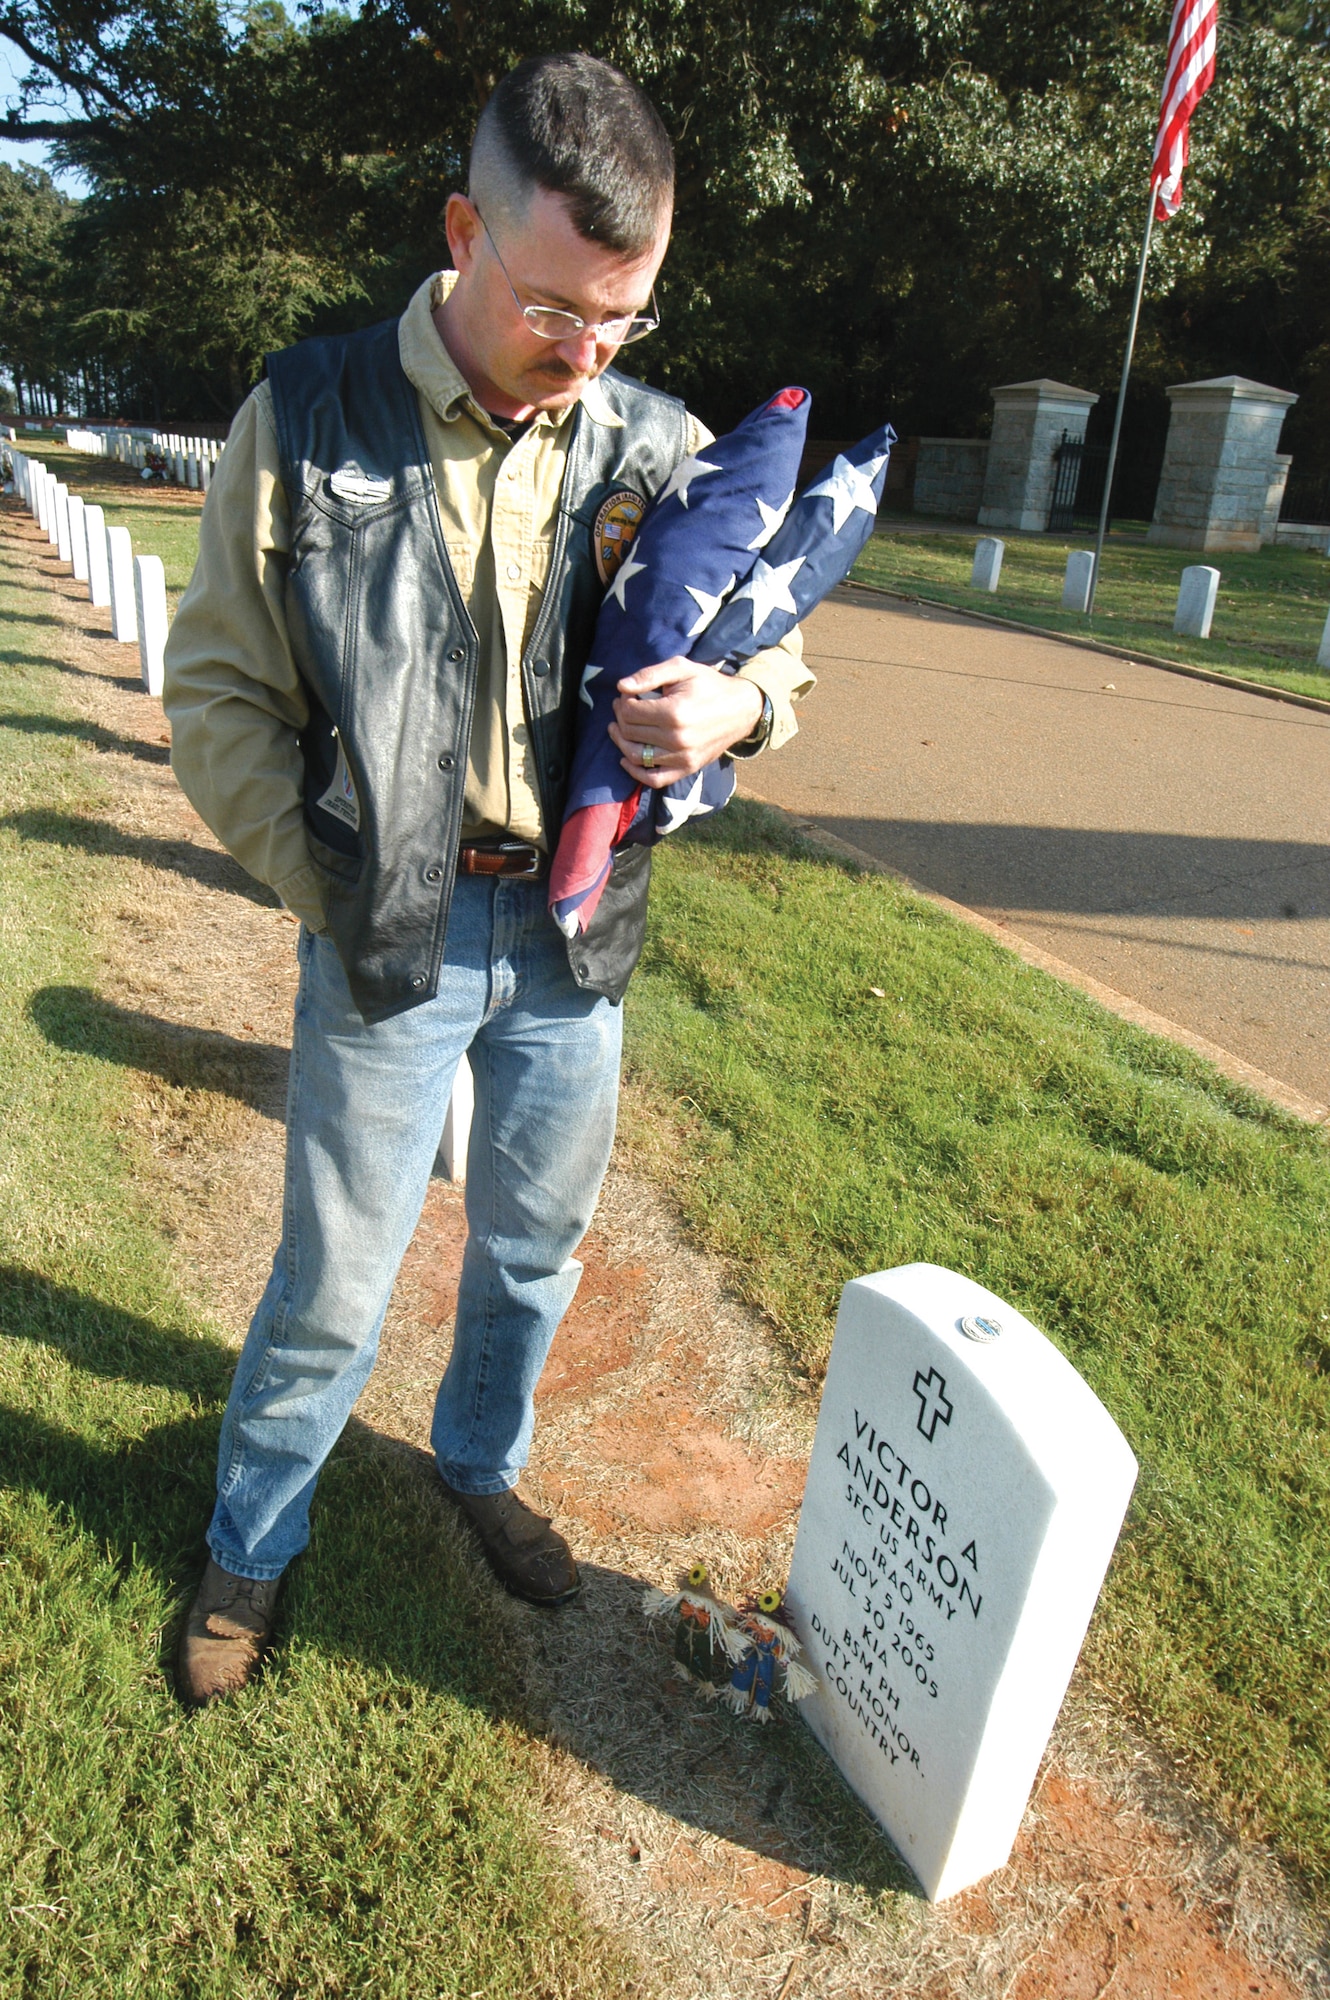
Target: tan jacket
x=233 y=695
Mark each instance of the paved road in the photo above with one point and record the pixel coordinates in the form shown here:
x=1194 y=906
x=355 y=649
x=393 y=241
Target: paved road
x=1167 y=837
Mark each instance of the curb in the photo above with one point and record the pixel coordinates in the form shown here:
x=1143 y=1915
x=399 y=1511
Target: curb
x=1132 y=657
x=1233 y=1067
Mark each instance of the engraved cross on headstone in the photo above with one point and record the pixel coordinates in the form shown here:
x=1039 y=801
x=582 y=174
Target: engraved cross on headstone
x=931 y=1389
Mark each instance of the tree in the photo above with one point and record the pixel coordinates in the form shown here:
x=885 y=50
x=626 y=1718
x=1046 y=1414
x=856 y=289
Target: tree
x=898 y=202
x=34 y=223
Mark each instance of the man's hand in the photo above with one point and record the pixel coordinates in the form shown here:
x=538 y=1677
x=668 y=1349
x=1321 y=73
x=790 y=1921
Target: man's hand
x=686 y=714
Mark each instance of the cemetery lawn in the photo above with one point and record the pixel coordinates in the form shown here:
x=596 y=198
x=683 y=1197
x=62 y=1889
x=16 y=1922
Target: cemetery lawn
x=162 y=520
x=363 y=1820
x=834 y=1077
x=1268 y=620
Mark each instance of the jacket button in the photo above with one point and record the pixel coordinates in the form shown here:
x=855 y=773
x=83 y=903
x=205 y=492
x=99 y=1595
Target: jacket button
x=457 y=653
x=446 y=762
x=418 y=981
x=584 y=970
x=541 y=667
x=434 y=874
x=552 y=770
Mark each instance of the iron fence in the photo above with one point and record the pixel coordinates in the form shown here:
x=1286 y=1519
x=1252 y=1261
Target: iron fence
x=1078 y=485
x=1306 y=498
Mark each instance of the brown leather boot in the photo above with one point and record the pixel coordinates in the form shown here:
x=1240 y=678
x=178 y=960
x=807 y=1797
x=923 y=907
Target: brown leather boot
x=525 y=1553
x=225 y=1636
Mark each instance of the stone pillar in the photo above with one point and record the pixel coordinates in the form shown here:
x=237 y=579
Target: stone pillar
x=1028 y=421
x=1219 y=463
x=1274 y=497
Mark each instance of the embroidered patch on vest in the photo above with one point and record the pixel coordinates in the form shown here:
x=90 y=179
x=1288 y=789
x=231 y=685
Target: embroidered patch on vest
x=340 y=798
x=617 y=521
x=350 y=483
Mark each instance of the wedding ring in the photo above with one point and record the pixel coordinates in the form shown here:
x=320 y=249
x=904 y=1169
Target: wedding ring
x=647 y=756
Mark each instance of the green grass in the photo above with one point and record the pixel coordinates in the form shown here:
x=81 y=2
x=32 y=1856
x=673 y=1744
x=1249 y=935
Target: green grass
x=1165 y=1228
x=1267 y=626
x=162 y=521
x=361 y=1821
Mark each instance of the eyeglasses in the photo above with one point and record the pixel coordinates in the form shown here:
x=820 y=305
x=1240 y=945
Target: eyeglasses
x=552 y=323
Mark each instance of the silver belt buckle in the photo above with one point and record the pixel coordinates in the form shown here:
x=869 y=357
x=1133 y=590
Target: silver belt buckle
x=532 y=869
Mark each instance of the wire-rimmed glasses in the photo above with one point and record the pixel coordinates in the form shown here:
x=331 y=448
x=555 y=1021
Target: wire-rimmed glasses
x=553 y=323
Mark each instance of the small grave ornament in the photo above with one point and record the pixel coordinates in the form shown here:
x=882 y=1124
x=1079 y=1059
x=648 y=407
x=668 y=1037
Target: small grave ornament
x=769 y=1647
x=706 y=1638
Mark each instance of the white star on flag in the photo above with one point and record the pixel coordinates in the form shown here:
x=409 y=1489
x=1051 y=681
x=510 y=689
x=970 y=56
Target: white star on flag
x=629 y=567
x=771 y=520
x=683 y=475
x=677 y=810
x=587 y=679
x=707 y=605
x=847 y=487
x=769 y=589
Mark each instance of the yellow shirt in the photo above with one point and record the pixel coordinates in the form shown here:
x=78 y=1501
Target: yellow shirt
x=233 y=694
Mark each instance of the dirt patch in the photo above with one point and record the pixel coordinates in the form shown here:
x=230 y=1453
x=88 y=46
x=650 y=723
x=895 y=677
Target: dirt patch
x=732 y=1857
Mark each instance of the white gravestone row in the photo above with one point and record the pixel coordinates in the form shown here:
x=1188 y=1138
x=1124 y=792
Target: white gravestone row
x=190 y=460
x=102 y=557
x=965 y=1493
x=134 y=589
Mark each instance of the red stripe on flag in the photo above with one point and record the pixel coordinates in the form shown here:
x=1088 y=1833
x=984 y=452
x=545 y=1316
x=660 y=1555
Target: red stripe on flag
x=1189 y=72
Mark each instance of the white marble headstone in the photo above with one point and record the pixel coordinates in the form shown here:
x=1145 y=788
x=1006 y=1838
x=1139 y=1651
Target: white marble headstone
x=152 y=619
x=986 y=568
x=964 y=1497
x=120 y=568
x=1077 y=580
x=99 y=576
x=78 y=539
x=1198 y=588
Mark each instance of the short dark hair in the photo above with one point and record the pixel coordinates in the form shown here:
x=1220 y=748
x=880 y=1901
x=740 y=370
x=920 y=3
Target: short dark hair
x=573 y=125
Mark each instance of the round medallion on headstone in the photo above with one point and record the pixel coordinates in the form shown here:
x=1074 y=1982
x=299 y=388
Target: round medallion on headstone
x=982 y=1330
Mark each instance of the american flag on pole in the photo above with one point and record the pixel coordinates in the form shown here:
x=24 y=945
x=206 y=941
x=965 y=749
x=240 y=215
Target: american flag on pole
x=725 y=562
x=1190 y=72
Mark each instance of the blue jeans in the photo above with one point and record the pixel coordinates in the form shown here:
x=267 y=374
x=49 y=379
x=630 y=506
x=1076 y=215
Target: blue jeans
x=365 y=1117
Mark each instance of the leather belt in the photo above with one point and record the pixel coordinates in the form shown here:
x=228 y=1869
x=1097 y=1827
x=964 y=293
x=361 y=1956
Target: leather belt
x=501 y=857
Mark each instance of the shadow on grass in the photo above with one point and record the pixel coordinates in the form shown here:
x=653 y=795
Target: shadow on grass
x=76 y=1018
x=393 y=1581
x=607 y=1691
x=87 y=732
x=205 y=865
x=388 y=1580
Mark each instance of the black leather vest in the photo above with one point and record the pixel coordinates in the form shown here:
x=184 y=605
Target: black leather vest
x=389 y=656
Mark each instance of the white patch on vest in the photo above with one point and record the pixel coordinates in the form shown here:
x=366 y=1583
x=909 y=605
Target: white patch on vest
x=350 y=483
x=340 y=798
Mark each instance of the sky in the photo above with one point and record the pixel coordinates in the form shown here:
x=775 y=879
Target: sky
x=28 y=153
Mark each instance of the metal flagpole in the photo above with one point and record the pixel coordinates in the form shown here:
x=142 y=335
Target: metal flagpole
x=1122 y=397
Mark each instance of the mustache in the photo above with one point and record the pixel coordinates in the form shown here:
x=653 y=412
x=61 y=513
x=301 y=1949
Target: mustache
x=558 y=371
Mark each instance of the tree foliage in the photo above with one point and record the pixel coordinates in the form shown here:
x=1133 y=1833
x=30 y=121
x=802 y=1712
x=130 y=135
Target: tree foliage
x=899 y=202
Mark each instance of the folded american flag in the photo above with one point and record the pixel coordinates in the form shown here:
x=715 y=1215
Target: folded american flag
x=722 y=566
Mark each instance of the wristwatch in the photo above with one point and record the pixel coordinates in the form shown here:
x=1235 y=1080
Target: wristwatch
x=759 y=735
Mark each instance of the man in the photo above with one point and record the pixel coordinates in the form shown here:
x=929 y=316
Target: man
x=373 y=686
